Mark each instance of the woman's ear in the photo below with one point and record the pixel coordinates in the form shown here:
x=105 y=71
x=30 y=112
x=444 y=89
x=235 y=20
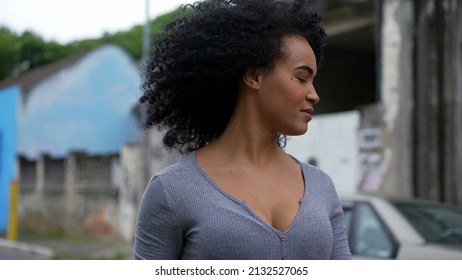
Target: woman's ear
x=252 y=78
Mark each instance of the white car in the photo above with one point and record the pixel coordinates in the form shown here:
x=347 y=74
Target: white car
x=386 y=228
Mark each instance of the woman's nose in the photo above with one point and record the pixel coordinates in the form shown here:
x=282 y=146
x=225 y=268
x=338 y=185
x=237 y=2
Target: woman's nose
x=312 y=96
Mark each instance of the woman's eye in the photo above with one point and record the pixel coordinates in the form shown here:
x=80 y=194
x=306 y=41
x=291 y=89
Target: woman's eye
x=301 y=80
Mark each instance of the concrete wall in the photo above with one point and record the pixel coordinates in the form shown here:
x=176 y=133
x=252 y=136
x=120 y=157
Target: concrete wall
x=95 y=197
x=331 y=143
x=9 y=101
x=84 y=202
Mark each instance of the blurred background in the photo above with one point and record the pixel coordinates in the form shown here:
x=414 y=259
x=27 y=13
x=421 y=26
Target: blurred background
x=74 y=160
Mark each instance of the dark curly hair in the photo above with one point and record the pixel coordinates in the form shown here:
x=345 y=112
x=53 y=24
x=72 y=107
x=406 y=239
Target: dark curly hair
x=193 y=76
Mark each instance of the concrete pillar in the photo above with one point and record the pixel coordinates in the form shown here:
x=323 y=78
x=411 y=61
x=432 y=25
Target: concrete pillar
x=132 y=178
x=40 y=174
x=396 y=93
x=438 y=122
x=451 y=53
x=70 y=170
x=457 y=61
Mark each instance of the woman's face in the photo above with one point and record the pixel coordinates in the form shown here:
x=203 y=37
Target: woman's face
x=286 y=94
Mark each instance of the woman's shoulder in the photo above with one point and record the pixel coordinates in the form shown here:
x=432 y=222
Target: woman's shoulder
x=317 y=180
x=320 y=186
x=181 y=163
x=178 y=182
x=313 y=171
x=184 y=166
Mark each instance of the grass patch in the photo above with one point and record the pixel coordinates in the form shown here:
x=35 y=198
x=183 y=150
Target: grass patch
x=49 y=234
x=67 y=256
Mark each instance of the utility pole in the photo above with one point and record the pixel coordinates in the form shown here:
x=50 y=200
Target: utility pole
x=147 y=133
x=146 y=34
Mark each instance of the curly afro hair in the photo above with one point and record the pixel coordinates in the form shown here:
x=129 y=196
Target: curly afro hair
x=193 y=76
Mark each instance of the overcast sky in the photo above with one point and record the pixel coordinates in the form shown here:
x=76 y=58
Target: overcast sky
x=69 y=20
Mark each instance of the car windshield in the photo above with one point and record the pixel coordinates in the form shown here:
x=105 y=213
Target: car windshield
x=435 y=222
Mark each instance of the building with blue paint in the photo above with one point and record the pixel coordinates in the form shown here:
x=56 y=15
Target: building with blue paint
x=62 y=129
x=9 y=101
x=86 y=106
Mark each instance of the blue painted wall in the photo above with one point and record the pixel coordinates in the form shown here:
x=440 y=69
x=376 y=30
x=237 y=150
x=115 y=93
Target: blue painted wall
x=9 y=101
x=85 y=107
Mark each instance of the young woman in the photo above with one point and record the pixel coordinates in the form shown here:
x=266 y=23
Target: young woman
x=227 y=81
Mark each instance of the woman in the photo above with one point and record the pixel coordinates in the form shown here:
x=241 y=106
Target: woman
x=228 y=81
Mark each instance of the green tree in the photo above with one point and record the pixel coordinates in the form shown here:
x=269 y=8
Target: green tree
x=19 y=54
x=158 y=24
x=130 y=41
x=32 y=48
x=9 y=52
x=36 y=52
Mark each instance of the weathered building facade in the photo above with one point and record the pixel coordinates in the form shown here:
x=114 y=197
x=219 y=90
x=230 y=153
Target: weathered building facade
x=79 y=145
x=438 y=100
x=399 y=64
x=421 y=93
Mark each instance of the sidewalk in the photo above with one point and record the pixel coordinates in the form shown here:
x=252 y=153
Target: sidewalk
x=20 y=250
x=75 y=248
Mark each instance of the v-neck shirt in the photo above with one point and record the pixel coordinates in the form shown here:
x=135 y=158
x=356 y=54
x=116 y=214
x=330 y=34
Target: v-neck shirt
x=184 y=214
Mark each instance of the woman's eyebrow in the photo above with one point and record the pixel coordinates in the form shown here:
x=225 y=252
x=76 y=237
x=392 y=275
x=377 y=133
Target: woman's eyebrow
x=306 y=68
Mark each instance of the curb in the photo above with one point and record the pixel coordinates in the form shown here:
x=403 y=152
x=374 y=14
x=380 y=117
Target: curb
x=34 y=251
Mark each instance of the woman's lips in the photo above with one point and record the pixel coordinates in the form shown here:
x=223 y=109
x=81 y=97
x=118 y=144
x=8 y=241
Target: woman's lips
x=308 y=113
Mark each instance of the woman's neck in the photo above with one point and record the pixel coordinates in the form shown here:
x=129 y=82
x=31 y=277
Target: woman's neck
x=246 y=141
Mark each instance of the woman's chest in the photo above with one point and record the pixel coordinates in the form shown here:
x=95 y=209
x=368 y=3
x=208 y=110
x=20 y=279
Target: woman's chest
x=227 y=229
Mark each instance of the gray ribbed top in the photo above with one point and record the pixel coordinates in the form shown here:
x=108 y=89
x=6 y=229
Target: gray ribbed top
x=185 y=215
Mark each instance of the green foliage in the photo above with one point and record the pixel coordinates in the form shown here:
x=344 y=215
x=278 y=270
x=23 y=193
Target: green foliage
x=159 y=23
x=69 y=256
x=19 y=54
x=9 y=52
x=131 y=41
x=35 y=51
x=82 y=46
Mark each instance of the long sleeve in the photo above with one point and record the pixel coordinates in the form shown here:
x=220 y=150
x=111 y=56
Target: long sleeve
x=340 y=246
x=158 y=235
